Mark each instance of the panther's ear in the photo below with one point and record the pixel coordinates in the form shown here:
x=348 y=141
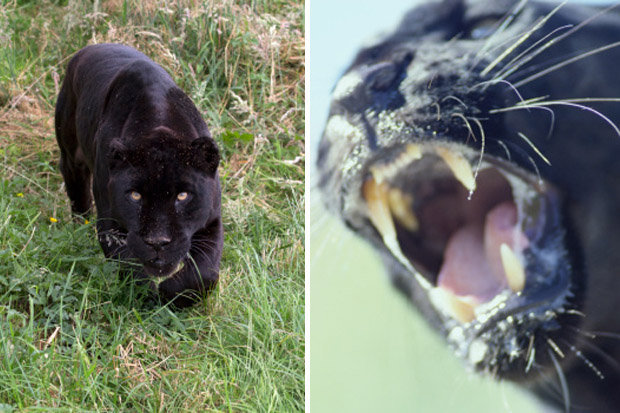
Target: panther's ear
x=117 y=154
x=206 y=155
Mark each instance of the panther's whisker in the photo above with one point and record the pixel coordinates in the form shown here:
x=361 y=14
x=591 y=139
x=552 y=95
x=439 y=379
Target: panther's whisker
x=531 y=104
x=467 y=124
x=536 y=170
x=457 y=99
x=482 y=144
x=573 y=30
x=563 y=383
x=570 y=103
x=503 y=145
x=491 y=51
x=487 y=83
x=530 y=355
x=203 y=238
x=534 y=147
x=506 y=21
x=605 y=334
x=555 y=347
x=573 y=311
x=565 y=63
x=589 y=342
x=582 y=332
x=587 y=361
x=197 y=252
x=524 y=58
x=520 y=41
x=206 y=244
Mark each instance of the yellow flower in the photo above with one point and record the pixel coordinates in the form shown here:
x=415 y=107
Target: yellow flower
x=53 y=220
x=20 y=195
x=86 y=222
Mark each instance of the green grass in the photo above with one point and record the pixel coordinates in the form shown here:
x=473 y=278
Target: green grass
x=75 y=337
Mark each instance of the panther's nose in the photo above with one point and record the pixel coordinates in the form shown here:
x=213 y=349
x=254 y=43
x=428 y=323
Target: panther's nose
x=157 y=241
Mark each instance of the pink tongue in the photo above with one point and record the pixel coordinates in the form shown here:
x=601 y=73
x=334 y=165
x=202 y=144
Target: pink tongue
x=472 y=263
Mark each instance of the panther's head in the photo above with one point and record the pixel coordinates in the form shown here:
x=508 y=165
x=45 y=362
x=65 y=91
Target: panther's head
x=475 y=149
x=163 y=189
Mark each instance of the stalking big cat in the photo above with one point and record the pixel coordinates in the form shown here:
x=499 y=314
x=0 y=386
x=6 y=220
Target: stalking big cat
x=123 y=125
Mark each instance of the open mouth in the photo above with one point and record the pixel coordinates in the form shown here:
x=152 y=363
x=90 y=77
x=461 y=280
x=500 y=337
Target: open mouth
x=480 y=235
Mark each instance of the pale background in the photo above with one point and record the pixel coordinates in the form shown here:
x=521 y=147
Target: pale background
x=368 y=351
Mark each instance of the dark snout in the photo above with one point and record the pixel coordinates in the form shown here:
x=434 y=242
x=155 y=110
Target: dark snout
x=158 y=265
x=156 y=259
x=157 y=250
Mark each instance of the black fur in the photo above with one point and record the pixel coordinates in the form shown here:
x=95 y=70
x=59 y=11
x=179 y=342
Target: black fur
x=122 y=123
x=416 y=86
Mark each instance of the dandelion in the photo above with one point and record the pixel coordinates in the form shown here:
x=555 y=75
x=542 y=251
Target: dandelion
x=20 y=195
x=53 y=220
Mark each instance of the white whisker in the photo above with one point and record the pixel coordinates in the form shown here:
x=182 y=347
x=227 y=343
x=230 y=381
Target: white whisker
x=565 y=63
x=522 y=59
x=563 y=383
x=570 y=103
x=505 y=23
x=605 y=334
x=529 y=142
x=520 y=41
x=555 y=347
x=503 y=145
x=575 y=29
x=531 y=355
x=458 y=100
x=495 y=81
x=467 y=124
x=587 y=361
x=482 y=143
x=597 y=349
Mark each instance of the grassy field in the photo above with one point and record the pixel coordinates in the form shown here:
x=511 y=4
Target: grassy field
x=74 y=337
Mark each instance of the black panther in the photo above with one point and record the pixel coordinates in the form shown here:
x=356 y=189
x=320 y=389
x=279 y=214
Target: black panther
x=126 y=129
x=477 y=149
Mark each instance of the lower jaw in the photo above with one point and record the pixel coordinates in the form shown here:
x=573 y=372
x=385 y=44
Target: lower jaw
x=163 y=273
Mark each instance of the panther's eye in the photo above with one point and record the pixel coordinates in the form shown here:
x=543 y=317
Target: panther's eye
x=483 y=28
x=135 y=196
x=182 y=196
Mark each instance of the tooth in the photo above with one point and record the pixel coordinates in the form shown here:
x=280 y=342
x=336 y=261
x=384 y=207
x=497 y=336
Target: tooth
x=515 y=274
x=459 y=166
x=382 y=173
x=376 y=195
x=400 y=205
x=377 y=174
x=411 y=153
x=459 y=308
